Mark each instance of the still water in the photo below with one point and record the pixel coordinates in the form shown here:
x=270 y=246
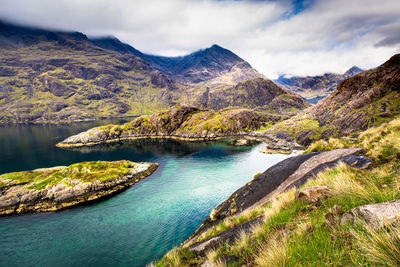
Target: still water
x=132 y=228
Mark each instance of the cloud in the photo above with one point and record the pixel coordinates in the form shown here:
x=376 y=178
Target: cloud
x=298 y=38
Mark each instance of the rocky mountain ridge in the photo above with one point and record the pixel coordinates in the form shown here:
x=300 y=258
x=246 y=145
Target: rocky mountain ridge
x=316 y=88
x=362 y=101
x=49 y=76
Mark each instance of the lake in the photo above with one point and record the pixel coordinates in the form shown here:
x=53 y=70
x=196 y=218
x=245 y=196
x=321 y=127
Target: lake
x=132 y=228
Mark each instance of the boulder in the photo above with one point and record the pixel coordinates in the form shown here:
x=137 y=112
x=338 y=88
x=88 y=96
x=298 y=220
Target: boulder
x=240 y=142
x=374 y=215
x=312 y=194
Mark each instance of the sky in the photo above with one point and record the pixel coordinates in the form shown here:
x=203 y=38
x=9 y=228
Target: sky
x=292 y=37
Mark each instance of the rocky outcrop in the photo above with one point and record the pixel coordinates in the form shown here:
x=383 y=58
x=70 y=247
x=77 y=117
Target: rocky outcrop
x=58 y=188
x=184 y=122
x=312 y=194
x=374 y=215
x=252 y=93
x=291 y=172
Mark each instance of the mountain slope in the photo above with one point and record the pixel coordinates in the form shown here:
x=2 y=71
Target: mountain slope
x=257 y=93
x=218 y=79
x=367 y=99
x=48 y=76
x=315 y=88
x=51 y=76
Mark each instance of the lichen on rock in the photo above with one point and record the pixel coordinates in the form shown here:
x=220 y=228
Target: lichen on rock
x=57 y=188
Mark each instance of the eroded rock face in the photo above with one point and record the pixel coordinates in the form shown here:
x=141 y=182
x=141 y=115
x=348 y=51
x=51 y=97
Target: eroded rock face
x=291 y=172
x=374 y=215
x=312 y=194
x=22 y=197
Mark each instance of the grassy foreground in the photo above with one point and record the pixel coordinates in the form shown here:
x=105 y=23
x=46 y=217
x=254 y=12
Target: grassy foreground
x=295 y=233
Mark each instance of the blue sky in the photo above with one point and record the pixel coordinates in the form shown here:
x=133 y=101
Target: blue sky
x=300 y=37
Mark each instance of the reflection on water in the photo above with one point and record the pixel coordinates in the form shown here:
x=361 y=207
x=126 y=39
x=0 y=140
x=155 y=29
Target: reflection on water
x=163 y=147
x=132 y=228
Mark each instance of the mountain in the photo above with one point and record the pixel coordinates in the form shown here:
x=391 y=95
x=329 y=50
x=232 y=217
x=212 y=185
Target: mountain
x=213 y=63
x=362 y=101
x=316 y=88
x=217 y=79
x=53 y=76
x=50 y=76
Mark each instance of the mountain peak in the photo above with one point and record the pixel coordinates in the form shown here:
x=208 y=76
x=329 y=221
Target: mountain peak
x=205 y=65
x=216 y=47
x=352 y=71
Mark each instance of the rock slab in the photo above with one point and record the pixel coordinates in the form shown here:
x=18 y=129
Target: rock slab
x=374 y=215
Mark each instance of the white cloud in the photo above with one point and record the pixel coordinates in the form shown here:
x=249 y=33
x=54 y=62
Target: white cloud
x=329 y=35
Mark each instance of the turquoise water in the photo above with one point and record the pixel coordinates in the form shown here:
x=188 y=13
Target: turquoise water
x=132 y=228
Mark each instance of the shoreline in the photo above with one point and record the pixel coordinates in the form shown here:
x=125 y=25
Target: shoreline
x=101 y=191
x=172 y=137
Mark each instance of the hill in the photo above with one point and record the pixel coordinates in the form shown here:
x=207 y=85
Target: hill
x=362 y=101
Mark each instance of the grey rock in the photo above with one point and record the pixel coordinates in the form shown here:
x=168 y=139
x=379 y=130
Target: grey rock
x=226 y=237
x=374 y=215
x=356 y=161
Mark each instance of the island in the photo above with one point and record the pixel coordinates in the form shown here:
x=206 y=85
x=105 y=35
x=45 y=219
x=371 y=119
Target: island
x=61 y=187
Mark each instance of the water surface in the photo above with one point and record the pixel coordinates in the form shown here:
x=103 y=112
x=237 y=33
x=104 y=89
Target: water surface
x=132 y=228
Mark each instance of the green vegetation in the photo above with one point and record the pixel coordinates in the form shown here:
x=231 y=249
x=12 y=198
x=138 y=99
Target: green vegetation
x=256 y=175
x=197 y=123
x=83 y=172
x=295 y=233
x=89 y=82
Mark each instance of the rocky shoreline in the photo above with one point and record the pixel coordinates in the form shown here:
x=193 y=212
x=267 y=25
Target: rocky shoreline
x=187 y=123
x=291 y=172
x=58 y=188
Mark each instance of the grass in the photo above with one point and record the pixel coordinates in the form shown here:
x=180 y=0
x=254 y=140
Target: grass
x=176 y=258
x=198 y=123
x=295 y=233
x=83 y=172
x=381 y=246
x=139 y=97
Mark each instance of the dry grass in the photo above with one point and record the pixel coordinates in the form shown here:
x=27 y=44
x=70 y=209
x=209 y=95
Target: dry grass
x=231 y=222
x=381 y=246
x=332 y=143
x=283 y=200
x=273 y=253
x=296 y=234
